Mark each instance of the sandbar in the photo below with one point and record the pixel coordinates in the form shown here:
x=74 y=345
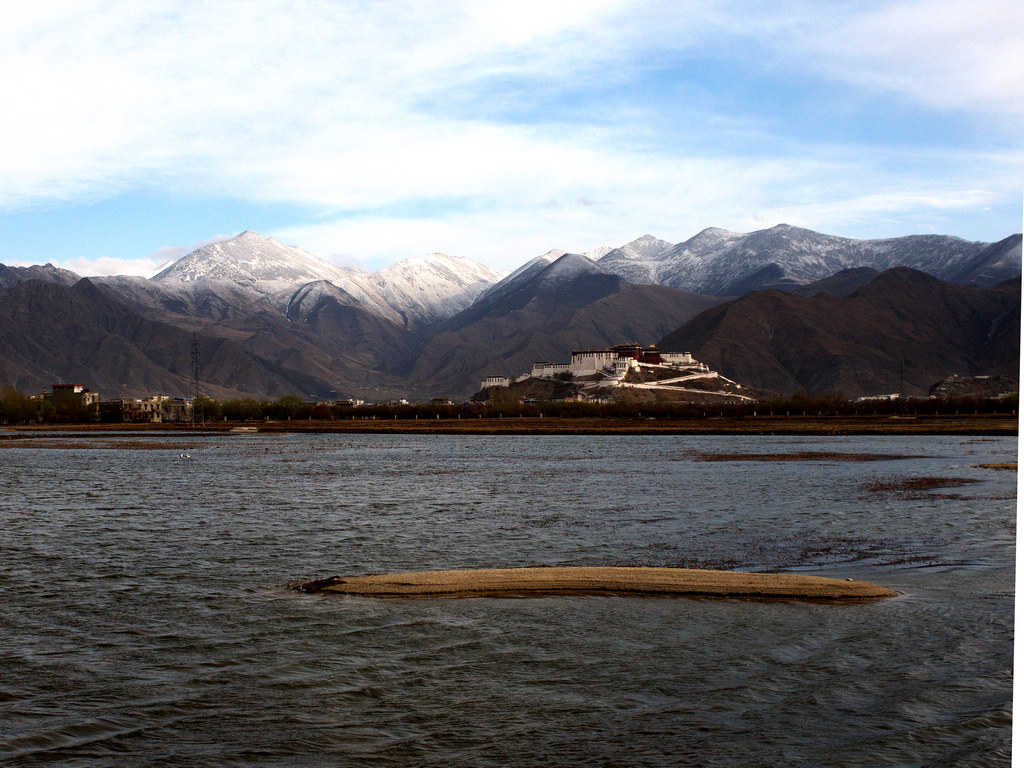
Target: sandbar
x=669 y=582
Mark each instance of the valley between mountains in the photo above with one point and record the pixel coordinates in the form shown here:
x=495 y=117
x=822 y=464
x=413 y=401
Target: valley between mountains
x=782 y=310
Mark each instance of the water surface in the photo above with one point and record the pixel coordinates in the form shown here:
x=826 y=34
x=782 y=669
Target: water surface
x=145 y=619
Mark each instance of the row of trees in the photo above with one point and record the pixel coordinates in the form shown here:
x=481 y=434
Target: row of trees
x=282 y=409
x=18 y=408
x=800 y=404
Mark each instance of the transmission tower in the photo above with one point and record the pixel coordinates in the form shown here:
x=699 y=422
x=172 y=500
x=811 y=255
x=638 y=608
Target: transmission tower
x=197 y=406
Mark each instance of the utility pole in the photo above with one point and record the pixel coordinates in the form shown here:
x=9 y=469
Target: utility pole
x=197 y=408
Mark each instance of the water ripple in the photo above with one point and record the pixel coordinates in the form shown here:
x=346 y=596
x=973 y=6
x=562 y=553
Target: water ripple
x=145 y=620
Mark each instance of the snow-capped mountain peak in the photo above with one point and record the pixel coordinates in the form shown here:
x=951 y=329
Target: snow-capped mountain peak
x=645 y=247
x=432 y=287
x=272 y=269
x=250 y=258
x=597 y=253
x=425 y=289
x=458 y=268
x=722 y=263
x=524 y=273
x=537 y=263
x=571 y=265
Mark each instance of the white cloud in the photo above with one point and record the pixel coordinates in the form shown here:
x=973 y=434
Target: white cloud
x=107 y=265
x=336 y=104
x=944 y=53
x=367 y=112
x=737 y=194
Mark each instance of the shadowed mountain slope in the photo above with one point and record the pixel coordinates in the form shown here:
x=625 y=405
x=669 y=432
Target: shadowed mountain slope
x=840 y=284
x=903 y=319
x=569 y=304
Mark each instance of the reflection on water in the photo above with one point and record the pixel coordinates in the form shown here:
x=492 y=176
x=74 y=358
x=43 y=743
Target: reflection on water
x=145 y=620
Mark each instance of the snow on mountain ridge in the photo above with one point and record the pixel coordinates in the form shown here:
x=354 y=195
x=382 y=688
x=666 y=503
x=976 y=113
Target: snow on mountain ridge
x=530 y=268
x=635 y=261
x=425 y=289
x=570 y=266
x=250 y=258
x=719 y=263
x=597 y=253
x=645 y=247
x=273 y=269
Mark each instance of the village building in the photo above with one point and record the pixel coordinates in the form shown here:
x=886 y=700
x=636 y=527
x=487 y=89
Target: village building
x=73 y=401
x=348 y=403
x=72 y=394
x=155 y=409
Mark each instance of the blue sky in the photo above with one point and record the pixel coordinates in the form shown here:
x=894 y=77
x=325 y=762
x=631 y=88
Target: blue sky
x=367 y=132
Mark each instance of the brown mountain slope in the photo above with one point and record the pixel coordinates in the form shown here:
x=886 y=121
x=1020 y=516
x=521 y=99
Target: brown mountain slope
x=50 y=333
x=318 y=330
x=858 y=344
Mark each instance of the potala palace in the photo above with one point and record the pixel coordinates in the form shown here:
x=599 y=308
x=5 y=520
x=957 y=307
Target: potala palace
x=630 y=366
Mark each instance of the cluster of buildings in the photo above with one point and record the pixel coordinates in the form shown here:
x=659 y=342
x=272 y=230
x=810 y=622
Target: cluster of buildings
x=608 y=367
x=155 y=409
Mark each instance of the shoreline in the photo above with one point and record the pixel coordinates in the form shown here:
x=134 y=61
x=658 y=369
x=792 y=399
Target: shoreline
x=939 y=424
x=593 y=580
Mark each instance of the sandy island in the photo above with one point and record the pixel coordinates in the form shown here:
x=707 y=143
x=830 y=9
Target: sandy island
x=678 y=582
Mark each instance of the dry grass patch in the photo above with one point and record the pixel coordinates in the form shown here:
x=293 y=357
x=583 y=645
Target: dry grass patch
x=917 y=487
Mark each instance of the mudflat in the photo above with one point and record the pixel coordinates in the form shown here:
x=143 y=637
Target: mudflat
x=677 y=582
x=937 y=424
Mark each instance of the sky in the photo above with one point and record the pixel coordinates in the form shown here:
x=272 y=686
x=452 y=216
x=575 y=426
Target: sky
x=369 y=132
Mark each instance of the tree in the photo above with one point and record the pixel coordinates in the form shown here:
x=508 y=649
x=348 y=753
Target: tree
x=287 y=407
x=209 y=408
x=16 y=407
x=242 y=410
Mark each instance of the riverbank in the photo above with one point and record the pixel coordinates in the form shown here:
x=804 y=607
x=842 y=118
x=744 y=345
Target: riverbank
x=924 y=424
x=669 y=582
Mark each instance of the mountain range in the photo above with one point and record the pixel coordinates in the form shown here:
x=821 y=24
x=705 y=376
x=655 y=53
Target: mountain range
x=781 y=309
x=721 y=263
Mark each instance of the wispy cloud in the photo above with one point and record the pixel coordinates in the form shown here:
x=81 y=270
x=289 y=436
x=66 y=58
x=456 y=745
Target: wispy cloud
x=143 y=267
x=943 y=53
x=410 y=127
x=840 y=194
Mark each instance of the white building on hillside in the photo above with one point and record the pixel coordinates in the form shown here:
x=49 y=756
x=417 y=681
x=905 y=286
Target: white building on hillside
x=615 y=361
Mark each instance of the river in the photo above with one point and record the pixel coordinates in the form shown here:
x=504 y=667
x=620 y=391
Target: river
x=146 y=618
